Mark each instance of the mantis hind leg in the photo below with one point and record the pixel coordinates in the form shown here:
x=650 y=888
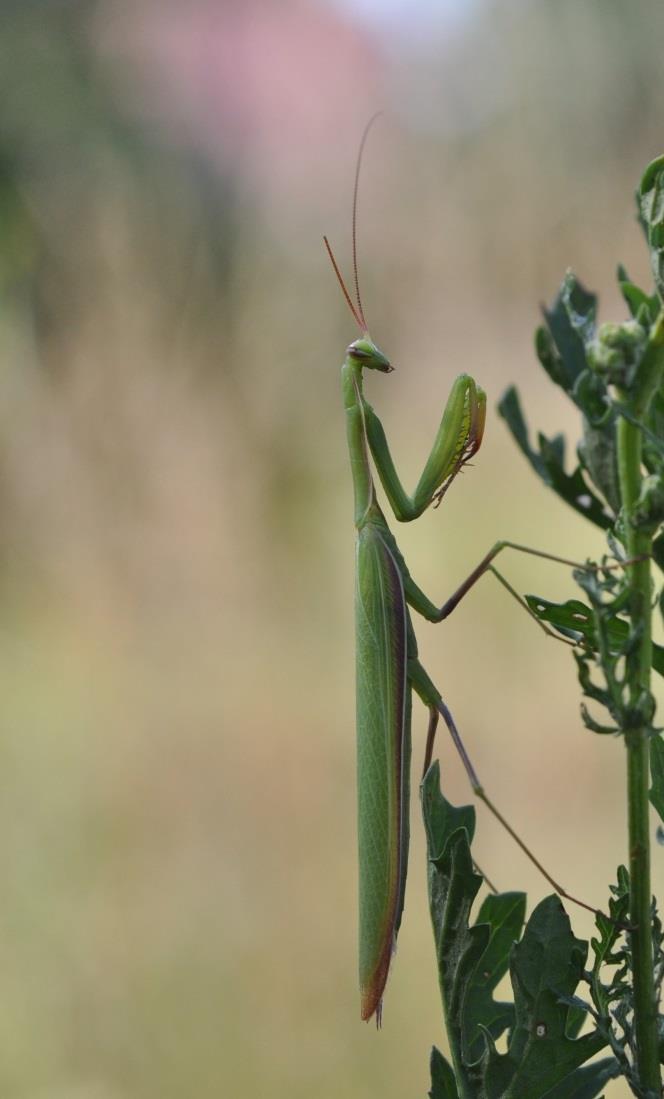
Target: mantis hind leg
x=434 y=702
x=431 y=736
x=434 y=709
x=437 y=707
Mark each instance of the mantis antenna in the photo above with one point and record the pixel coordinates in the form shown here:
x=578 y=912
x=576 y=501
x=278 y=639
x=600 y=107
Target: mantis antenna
x=356 y=309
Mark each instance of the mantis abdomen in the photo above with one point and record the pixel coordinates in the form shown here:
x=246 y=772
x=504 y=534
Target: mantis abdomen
x=383 y=755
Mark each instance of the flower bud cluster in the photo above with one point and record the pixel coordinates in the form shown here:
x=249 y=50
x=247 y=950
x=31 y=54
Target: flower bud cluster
x=617 y=349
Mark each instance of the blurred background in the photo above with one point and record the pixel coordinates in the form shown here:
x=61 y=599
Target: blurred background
x=177 y=800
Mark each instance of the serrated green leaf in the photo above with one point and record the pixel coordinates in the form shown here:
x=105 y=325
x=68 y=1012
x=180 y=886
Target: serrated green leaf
x=471 y=959
x=552 y=450
x=509 y=407
x=504 y=913
x=545 y=965
x=597 y=726
x=453 y=886
x=586 y=1082
x=603 y=947
x=577 y=1016
x=549 y=464
x=442 y=819
x=590 y=689
x=572 y=488
x=443 y=1084
x=636 y=298
x=656 y=793
x=598 y=455
x=580 y=306
x=545 y=968
x=549 y=357
x=572 y=315
x=651 y=207
x=575 y=619
x=591 y=395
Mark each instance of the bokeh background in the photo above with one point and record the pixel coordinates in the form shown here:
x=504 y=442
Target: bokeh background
x=177 y=800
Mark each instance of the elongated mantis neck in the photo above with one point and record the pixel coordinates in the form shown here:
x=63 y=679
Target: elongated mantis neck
x=363 y=487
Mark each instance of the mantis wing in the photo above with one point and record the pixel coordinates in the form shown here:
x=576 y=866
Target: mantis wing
x=383 y=757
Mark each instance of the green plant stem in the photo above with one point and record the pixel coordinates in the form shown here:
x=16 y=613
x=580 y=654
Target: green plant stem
x=639 y=542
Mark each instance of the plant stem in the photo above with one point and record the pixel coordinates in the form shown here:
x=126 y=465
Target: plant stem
x=639 y=542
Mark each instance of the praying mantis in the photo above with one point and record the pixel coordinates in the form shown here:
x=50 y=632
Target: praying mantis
x=388 y=668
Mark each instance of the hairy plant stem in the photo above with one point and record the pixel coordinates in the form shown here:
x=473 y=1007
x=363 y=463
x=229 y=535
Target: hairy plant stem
x=639 y=542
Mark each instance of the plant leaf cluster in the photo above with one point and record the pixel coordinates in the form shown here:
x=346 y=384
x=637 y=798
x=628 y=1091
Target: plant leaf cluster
x=612 y=1000
x=544 y=1053
x=608 y=371
x=534 y=1046
x=611 y=371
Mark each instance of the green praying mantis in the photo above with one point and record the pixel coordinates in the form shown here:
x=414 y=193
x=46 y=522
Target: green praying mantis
x=388 y=668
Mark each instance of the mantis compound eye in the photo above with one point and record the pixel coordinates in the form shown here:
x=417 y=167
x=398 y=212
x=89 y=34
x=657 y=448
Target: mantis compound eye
x=359 y=353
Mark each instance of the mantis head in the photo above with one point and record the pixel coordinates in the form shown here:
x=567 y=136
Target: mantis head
x=365 y=352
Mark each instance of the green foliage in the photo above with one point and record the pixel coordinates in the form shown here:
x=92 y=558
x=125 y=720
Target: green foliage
x=543 y=1053
x=588 y=364
x=613 y=999
x=443 y=1083
x=549 y=464
x=614 y=375
x=651 y=210
x=574 y=620
x=604 y=640
x=612 y=372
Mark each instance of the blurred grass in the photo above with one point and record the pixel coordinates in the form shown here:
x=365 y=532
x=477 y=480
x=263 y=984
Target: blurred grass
x=176 y=551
